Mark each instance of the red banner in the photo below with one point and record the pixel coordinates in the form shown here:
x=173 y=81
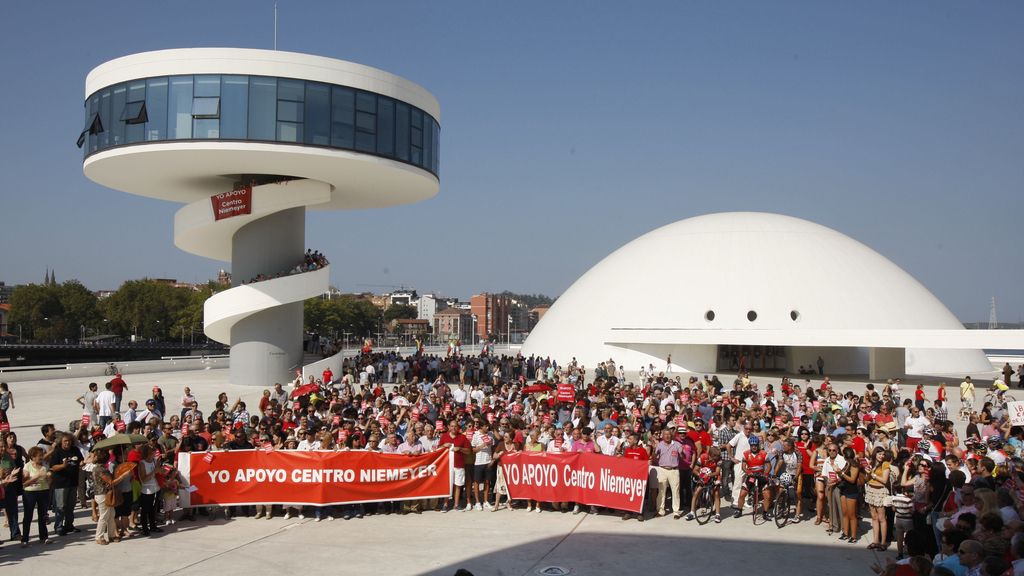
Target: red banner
x=584 y=478
x=313 y=478
x=234 y=203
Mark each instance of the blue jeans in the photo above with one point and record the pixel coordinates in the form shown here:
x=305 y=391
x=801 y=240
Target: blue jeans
x=35 y=502
x=64 y=509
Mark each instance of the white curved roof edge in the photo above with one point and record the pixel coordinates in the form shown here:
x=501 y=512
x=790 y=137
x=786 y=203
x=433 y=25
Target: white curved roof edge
x=225 y=309
x=186 y=171
x=197 y=231
x=950 y=339
x=248 y=61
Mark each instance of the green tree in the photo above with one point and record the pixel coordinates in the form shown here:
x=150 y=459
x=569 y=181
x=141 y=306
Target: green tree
x=146 y=308
x=189 y=319
x=80 y=309
x=400 y=312
x=35 y=308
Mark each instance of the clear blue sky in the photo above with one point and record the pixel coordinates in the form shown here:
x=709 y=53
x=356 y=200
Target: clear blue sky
x=570 y=128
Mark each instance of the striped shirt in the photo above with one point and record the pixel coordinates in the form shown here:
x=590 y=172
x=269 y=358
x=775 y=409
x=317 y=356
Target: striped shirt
x=903 y=506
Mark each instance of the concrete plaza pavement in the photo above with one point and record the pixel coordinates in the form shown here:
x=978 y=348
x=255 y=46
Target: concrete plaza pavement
x=486 y=543
x=503 y=542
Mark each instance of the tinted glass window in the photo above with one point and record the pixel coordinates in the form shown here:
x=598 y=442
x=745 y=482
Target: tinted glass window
x=234 y=106
x=207 y=85
x=156 y=109
x=179 y=108
x=291 y=90
x=115 y=126
x=206 y=107
x=106 y=117
x=386 y=126
x=366 y=102
x=343 y=109
x=289 y=132
x=262 y=108
x=402 y=131
x=317 y=116
x=237 y=107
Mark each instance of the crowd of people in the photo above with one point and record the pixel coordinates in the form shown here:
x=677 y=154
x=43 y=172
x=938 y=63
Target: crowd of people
x=889 y=455
x=313 y=260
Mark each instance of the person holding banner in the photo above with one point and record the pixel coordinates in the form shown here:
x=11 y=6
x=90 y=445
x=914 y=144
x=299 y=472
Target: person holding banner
x=454 y=440
x=666 y=458
x=633 y=450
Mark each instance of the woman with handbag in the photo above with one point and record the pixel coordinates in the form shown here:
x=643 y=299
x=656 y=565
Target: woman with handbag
x=877 y=494
x=107 y=497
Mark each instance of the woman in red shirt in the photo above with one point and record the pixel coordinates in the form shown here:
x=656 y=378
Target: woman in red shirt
x=919 y=397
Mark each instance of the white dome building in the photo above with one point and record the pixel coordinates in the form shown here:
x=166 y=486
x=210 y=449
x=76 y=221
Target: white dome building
x=773 y=292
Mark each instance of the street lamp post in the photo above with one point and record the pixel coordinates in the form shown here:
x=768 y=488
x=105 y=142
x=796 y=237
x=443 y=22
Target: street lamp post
x=474 y=333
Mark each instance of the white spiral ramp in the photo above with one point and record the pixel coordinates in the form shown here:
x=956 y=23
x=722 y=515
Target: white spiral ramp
x=261 y=321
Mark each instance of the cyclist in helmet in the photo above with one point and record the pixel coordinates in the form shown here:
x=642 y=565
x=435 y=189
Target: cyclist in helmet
x=787 y=470
x=708 y=476
x=754 y=467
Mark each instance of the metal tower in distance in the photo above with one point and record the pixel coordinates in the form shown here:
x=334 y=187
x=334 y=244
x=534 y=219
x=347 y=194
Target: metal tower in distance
x=993 y=323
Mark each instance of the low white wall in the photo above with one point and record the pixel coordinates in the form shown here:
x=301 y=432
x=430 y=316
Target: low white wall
x=98 y=369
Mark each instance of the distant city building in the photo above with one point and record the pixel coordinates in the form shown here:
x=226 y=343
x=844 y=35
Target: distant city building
x=5 y=311
x=536 y=314
x=428 y=305
x=454 y=324
x=402 y=297
x=492 y=314
x=5 y=293
x=411 y=327
x=224 y=277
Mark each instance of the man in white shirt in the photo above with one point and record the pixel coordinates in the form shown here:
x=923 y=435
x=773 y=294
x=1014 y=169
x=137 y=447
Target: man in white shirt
x=608 y=444
x=460 y=395
x=105 y=402
x=740 y=446
x=915 y=426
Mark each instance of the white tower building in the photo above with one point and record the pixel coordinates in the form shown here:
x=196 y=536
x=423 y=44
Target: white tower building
x=248 y=141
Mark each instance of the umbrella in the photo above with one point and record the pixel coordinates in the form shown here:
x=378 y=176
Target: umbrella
x=536 y=388
x=121 y=440
x=304 y=390
x=400 y=401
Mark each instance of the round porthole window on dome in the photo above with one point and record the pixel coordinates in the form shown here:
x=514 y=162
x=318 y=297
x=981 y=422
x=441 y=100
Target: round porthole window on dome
x=751 y=315
x=709 y=315
x=794 y=315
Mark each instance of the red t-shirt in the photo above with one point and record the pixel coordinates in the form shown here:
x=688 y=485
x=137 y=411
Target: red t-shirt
x=805 y=457
x=117 y=385
x=636 y=453
x=703 y=437
x=858 y=444
x=755 y=462
x=919 y=394
x=459 y=442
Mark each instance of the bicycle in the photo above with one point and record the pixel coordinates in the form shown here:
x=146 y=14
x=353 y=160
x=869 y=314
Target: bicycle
x=993 y=397
x=782 y=508
x=757 y=513
x=111 y=369
x=705 y=507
